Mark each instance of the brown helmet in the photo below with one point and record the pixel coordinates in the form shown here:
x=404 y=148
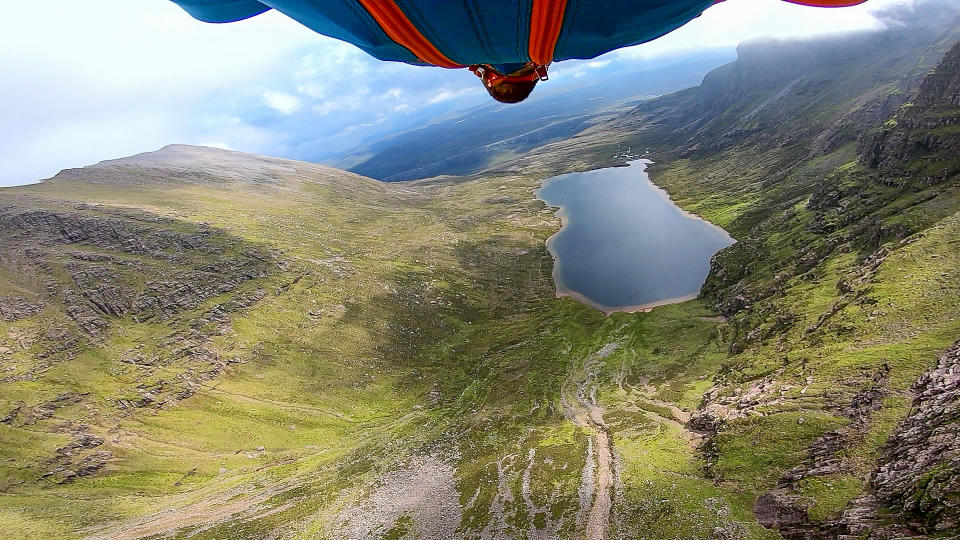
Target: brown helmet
x=512 y=88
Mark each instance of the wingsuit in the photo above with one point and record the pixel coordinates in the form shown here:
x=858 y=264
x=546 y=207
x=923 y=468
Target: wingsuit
x=502 y=41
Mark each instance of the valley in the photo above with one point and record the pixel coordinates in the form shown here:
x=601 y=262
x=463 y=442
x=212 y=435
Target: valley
x=624 y=246
x=199 y=343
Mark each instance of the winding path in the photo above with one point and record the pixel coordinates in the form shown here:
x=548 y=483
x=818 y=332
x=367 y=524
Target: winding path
x=599 y=478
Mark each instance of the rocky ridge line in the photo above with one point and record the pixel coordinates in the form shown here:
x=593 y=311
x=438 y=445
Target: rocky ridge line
x=924 y=130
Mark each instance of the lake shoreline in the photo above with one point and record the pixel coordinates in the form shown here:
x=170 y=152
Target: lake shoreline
x=564 y=291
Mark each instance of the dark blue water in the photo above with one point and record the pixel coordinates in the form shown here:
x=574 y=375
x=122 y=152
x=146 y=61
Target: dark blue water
x=624 y=245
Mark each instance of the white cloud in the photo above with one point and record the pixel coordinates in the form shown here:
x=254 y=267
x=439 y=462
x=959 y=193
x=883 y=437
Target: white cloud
x=313 y=90
x=446 y=95
x=70 y=96
x=326 y=107
x=563 y=72
x=734 y=21
x=221 y=145
x=87 y=81
x=282 y=102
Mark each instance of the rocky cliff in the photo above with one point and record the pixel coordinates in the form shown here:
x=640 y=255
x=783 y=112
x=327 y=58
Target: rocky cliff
x=918 y=476
x=836 y=173
x=818 y=93
x=913 y=483
x=82 y=268
x=922 y=141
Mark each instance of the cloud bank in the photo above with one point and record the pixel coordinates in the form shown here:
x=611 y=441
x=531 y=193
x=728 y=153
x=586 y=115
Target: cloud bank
x=87 y=81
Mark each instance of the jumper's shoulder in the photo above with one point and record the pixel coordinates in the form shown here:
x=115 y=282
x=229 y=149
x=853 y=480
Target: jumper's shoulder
x=222 y=11
x=588 y=33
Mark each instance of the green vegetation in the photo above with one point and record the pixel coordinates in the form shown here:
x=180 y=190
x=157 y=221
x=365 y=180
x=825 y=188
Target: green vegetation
x=448 y=340
x=344 y=358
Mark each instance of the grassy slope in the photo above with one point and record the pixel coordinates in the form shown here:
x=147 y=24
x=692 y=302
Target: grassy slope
x=440 y=335
x=334 y=401
x=817 y=341
x=448 y=286
x=846 y=273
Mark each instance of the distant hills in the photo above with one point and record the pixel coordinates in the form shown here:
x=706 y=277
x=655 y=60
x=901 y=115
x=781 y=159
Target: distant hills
x=467 y=142
x=201 y=343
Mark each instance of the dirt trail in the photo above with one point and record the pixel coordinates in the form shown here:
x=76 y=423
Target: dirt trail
x=579 y=400
x=208 y=511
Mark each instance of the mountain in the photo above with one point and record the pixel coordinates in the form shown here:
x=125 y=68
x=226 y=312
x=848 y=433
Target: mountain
x=202 y=343
x=835 y=167
x=915 y=142
x=469 y=141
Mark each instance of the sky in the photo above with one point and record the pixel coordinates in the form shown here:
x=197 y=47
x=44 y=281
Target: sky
x=84 y=81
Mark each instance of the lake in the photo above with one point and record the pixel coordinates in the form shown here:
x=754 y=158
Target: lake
x=624 y=245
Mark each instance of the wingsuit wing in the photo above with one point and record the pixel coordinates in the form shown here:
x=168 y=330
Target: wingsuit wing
x=222 y=11
x=458 y=33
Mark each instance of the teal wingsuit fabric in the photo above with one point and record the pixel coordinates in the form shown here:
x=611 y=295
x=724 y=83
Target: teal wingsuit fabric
x=473 y=31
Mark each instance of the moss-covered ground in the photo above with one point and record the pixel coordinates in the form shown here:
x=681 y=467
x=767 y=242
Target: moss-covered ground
x=420 y=320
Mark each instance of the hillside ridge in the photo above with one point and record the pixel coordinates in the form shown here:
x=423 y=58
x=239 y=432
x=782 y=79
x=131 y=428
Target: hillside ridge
x=203 y=164
x=190 y=348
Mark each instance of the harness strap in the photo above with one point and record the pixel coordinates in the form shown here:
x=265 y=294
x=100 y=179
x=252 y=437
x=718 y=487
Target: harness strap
x=546 y=21
x=396 y=25
x=492 y=78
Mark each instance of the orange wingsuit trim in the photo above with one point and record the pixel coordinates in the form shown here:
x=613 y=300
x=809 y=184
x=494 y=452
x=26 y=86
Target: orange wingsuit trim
x=546 y=21
x=396 y=25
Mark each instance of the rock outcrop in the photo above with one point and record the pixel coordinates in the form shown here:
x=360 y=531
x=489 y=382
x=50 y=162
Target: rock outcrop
x=786 y=511
x=913 y=491
x=14 y=308
x=918 y=476
x=88 y=267
x=113 y=271
x=78 y=458
x=924 y=137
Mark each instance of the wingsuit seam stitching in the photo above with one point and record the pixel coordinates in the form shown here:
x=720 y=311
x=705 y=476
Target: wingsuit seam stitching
x=372 y=24
x=565 y=29
x=523 y=45
x=421 y=25
x=473 y=10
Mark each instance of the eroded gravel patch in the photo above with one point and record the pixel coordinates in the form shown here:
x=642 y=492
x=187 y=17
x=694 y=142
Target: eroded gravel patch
x=423 y=491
